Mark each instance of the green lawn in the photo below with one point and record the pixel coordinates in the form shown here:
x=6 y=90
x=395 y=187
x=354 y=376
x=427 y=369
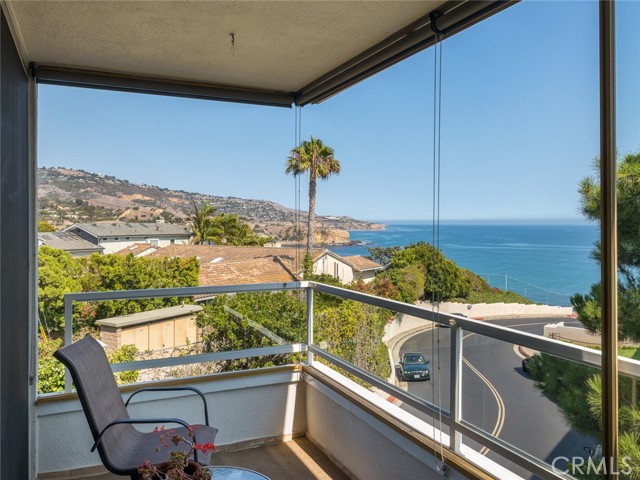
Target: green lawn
x=629 y=352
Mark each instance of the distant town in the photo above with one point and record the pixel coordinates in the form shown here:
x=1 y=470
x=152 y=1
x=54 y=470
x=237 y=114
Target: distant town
x=67 y=196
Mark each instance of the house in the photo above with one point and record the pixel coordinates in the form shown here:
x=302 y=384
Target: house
x=69 y=242
x=114 y=236
x=233 y=265
x=346 y=269
x=363 y=268
x=298 y=53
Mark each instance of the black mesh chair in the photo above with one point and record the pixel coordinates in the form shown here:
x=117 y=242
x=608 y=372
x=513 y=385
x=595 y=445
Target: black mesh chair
x=121 y=446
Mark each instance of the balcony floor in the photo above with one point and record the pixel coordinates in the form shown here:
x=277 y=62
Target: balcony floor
x=298 y=459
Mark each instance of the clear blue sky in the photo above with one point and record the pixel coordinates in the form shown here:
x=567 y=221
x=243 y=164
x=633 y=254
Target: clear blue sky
x=519 y=127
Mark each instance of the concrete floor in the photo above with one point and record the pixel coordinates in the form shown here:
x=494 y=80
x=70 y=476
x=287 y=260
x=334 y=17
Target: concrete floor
x=298 y=459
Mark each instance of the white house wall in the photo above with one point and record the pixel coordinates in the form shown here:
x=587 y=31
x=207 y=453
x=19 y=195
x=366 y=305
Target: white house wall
x=330 y=265
x=366 y=276
x=111 y=246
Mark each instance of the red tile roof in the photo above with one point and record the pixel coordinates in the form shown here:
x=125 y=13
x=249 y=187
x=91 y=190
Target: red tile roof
x=223 y=253
x=360 y=263
x=230 y=265
x=260 y=270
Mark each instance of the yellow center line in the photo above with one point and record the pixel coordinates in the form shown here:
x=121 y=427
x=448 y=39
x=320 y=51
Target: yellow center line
x=501 y=407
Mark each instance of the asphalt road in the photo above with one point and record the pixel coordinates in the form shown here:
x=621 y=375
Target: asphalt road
x=497 y=396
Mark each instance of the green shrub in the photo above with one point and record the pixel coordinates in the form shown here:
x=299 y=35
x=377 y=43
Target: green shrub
x=126 y=353
x=443 y=279
x=50 y=370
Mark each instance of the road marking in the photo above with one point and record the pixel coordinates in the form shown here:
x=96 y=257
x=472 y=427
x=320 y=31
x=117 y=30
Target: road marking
x=501 y=408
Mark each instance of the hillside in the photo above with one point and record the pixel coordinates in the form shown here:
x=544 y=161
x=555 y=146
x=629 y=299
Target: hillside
x=67 y=196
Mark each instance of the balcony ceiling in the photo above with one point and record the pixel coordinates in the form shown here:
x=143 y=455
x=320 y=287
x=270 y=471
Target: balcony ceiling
x=273 y=46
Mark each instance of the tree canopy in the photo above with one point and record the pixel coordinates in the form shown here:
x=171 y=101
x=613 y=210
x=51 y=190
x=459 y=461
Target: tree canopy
x=421 y=266
x=628 y=191
x=44 y=226
x=201 y=222
x=222 y=229
x=59 y=273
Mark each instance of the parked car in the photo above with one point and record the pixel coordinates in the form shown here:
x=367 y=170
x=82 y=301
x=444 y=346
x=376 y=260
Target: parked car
x=413 y=366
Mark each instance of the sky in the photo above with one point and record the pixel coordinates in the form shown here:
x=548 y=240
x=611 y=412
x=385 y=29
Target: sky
x=519 y=127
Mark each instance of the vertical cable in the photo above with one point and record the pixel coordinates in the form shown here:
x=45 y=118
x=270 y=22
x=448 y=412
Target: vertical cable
x=297 y=214
x=434 y=303
x=437 y=244
x=435 y=223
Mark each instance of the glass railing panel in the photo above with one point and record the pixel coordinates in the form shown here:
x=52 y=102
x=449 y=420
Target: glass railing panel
x=192 y=330
x=354 y=332
x=531 y=402
x=628 y=424
x=398 y=351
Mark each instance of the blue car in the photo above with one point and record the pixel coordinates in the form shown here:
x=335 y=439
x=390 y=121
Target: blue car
x=413 y=366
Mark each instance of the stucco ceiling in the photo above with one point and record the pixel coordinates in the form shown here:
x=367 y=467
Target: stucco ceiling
x=270 y=45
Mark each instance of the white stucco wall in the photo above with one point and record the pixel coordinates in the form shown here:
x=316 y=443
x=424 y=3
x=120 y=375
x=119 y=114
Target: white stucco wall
x=368 y=448
x=111 y=246
x=366 y=276
x=482 y=310
x=270 y=405
x=244 y=408
x=329 y=265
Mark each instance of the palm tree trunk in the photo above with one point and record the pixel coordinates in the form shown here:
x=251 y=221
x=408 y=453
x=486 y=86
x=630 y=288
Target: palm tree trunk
x=312 y=205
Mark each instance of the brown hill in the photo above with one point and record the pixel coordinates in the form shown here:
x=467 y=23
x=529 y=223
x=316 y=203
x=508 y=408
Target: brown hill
x=67 y=196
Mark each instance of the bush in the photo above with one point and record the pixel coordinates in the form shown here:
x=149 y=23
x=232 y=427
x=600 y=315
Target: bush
x=443 y=279
x=126 y=353
x=50 y=370
x=409 y=282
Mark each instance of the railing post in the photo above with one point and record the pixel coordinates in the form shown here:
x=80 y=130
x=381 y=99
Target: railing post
x=309 y=324
x=68 y=337
x=609 y=239
x=455 y=394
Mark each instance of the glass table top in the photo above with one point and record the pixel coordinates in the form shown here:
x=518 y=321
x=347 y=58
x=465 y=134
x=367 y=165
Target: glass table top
x=235 y=473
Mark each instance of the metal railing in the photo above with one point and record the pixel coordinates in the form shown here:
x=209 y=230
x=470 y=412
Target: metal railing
x=452 y=418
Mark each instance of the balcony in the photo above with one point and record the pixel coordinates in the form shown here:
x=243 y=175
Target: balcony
x=110 y=56
x=324 y=417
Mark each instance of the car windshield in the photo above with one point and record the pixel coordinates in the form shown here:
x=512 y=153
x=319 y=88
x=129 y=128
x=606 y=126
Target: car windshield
x=414 y=359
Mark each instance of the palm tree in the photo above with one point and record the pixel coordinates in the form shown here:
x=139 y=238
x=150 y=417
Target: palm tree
x=225 y=229
x=202 y=223
x=315 y=157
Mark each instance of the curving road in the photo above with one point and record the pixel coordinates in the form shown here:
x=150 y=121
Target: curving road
x=497 y=395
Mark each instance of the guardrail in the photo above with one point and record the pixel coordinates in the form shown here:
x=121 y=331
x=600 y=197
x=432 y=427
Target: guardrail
x=452 y=418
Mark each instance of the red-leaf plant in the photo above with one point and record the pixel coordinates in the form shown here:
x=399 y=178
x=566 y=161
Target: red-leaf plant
x=179 y=465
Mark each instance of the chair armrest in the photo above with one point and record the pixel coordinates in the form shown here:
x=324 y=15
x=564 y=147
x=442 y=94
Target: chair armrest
x=168 y=389
x=133 y=421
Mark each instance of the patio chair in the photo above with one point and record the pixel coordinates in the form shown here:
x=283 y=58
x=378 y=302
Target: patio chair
x=121 y=446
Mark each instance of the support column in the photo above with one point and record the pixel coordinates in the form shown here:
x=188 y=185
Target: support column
x=17 y=239
x=609 y=238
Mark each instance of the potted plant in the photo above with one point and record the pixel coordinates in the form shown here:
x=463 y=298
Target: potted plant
x=180 y=464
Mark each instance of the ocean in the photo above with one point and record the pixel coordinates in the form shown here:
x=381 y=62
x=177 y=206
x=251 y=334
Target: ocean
x=546 y=263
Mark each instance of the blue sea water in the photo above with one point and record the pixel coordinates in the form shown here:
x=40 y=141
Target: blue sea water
x=546 y=263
